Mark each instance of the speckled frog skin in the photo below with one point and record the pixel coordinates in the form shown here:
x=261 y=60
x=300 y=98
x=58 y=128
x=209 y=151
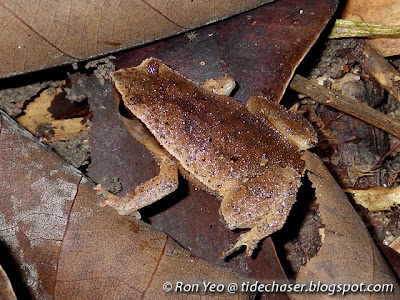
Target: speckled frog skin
x=248 y=157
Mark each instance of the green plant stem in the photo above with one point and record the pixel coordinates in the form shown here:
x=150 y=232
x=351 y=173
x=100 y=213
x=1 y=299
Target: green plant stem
x=346 y=28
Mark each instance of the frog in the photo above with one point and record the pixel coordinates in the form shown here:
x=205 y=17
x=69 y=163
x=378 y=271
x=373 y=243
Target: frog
x=249 y=157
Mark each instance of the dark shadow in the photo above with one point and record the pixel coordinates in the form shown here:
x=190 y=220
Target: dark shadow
x=166 y=202
x=13 y=272
x=293 y=224
x=57 y=73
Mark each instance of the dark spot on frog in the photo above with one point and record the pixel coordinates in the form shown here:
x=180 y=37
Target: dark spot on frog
x=233 y=158
x=188 y=125
x=166 y=123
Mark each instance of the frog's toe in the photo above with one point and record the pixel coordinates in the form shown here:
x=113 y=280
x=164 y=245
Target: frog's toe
x=118 y=203
x=110 y=199
x=246 y=239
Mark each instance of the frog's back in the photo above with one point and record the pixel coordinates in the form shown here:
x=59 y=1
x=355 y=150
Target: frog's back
x=214 y=138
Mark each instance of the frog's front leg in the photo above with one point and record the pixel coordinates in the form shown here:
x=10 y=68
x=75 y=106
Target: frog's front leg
x=293 y=126
x=146 y=193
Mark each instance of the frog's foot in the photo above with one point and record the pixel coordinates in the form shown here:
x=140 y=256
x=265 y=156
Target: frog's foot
x=241 y=241
x=100 y=191
x=113 y=201
x=147 y=192
x=110 y=199
x=249 y=239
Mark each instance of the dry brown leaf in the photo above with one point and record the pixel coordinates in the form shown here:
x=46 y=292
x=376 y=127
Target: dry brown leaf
x=348 y=254
x=6 y=290
x=392 y=256
x=37 y=113
x=66 y=245
x=395 y=245
x=376 y=198
x=379 y=12
x=259 y=49
x=37 y=34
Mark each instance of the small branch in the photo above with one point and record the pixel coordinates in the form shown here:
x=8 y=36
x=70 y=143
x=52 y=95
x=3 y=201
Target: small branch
x=359 y=110
x=346 y=29
x=379 y=67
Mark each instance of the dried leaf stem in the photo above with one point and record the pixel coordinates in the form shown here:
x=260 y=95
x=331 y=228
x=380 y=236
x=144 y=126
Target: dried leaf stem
x=379 y=67
x=345 y=104
x=347 y=28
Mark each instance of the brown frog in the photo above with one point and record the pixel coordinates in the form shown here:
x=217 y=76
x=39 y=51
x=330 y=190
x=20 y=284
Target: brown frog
x=249 y=158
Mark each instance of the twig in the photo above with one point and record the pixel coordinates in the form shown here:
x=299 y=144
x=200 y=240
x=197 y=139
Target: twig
x=345 y=104
x=379 y=67
x=380 y=162
x=346 y=28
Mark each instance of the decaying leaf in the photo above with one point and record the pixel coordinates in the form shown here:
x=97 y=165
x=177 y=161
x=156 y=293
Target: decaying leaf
x=65 y=245
x=376 y=198
x=379 y=12
x=39 y=35
x=348 y=254
x=36 y=116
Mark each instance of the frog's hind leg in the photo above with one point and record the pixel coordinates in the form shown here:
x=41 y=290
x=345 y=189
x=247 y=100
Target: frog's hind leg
x=146 y=193
x=265 y=226
x=262 y=204
x=251 y=238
